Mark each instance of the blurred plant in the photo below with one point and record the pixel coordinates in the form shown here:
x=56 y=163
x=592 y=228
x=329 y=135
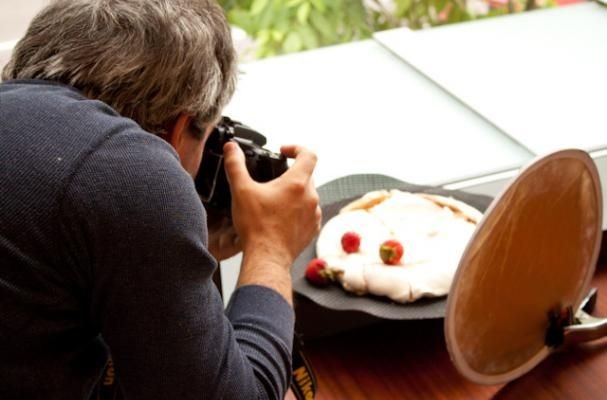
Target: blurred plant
x=286 y=26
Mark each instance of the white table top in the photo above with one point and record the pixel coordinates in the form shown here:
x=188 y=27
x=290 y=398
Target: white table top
x=363 y=110
x=540 y=76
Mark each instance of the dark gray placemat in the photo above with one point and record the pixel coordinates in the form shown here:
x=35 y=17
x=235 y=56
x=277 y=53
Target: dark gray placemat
x=336 y=194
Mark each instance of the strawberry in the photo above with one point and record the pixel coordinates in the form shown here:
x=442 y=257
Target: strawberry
x=391 y=251
x=317 y=272
x=350 y=242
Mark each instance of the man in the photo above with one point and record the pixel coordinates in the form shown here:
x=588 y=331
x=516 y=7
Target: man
x=104 y=111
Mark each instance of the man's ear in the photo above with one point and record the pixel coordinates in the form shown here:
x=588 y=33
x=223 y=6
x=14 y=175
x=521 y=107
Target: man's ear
x=179 y=131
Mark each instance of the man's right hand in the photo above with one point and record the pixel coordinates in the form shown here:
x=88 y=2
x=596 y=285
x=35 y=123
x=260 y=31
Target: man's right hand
x=275 y=220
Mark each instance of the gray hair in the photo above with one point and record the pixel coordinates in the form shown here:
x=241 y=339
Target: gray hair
x=148 y=59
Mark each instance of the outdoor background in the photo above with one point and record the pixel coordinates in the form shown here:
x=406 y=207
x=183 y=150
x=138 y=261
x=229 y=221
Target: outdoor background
x=264 y=28
x=271 y=27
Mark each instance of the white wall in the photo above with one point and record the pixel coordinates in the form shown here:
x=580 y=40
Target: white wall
x=15 y=16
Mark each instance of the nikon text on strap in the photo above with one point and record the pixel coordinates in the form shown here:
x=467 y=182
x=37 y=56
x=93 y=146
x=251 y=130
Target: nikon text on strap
x=303 y=382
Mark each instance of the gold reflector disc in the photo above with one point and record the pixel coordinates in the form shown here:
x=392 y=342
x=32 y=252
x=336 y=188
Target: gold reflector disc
x=535 y=249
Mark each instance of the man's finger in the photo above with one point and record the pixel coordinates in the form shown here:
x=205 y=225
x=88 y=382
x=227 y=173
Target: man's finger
x=291 y=150
x=305 y=160
x=234 y=164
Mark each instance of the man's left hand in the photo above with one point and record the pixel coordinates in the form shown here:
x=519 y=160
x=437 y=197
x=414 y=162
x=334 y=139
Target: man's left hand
x=223 y=239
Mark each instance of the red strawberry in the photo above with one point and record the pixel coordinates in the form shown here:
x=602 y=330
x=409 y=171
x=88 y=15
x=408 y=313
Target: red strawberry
x=317 y=272
x=350 y=242
x=391 y=251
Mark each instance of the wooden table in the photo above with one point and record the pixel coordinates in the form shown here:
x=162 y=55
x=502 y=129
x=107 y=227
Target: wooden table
x=409 y=360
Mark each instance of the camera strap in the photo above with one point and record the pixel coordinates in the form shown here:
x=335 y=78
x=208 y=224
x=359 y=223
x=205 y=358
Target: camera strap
x=107 y=388
x=303 y=382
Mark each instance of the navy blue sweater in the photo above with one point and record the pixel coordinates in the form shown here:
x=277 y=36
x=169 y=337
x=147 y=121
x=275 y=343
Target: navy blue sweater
x=103 y=244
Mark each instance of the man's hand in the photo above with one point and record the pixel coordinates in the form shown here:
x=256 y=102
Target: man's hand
x=274 y=220
x=223 y=238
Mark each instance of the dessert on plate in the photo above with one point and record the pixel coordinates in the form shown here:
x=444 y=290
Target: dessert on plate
x=396 y=244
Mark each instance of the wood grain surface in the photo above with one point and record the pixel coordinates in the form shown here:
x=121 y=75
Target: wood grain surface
x=409 y=360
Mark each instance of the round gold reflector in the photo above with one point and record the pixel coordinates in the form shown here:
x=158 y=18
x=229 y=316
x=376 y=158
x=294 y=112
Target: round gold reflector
x=534 y=250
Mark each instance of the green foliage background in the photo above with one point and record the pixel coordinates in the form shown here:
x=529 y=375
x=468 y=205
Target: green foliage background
x=286 y=26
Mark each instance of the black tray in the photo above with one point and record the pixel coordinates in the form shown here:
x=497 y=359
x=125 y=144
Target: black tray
x=336 y=194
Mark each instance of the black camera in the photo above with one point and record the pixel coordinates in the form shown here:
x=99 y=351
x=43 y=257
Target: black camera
x=262 y=164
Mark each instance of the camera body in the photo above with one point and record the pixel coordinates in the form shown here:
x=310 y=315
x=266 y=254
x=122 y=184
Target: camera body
x=262 y=164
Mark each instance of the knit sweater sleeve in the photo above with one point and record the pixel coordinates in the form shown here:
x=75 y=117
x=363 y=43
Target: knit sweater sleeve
x=140 y=228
